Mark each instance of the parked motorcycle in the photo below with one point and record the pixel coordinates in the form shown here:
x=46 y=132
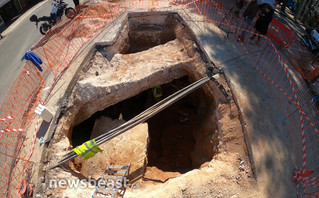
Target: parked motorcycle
x=311 y=40
x=59 y=9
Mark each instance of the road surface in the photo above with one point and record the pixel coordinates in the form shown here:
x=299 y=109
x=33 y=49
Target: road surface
x=19 y=38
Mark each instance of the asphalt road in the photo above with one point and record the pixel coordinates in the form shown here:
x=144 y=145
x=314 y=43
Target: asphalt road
x=20 y=38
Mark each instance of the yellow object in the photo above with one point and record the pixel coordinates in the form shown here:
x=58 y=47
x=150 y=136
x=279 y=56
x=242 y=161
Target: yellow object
x=157 y=91
x=87 y=149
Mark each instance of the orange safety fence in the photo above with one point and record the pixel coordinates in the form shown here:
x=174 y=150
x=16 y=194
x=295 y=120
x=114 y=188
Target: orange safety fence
x=59 y=47
x=308 y=64
x=280 y=33
x=286 y=86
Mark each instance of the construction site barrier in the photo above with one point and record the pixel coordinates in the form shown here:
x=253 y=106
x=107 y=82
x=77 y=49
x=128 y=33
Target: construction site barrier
x=307 y=63
x=59 y=47
x=280 y=33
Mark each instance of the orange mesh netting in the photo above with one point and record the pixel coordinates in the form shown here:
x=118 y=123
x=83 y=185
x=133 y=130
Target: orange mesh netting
x=59 y=47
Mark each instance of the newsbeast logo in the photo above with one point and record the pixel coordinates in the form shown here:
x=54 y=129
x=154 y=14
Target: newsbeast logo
x=88 y=183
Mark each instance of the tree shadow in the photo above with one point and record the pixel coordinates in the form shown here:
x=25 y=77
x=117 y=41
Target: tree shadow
x=244 y=63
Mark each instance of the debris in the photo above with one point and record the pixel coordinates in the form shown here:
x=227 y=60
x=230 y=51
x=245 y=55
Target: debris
x=41 y=141
x=242 y=165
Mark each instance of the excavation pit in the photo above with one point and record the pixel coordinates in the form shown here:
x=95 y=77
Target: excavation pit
x=143 y=34
x=116 y=83
x=175 y=143
x=173 y=140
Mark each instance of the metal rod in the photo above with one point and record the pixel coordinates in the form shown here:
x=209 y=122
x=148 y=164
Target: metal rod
x=145 y=115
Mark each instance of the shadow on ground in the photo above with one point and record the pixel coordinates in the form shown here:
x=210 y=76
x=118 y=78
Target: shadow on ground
x=271 y=146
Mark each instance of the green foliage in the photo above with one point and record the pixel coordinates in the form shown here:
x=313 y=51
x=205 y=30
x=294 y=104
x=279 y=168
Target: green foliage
x=312 y=22
x=297 y=4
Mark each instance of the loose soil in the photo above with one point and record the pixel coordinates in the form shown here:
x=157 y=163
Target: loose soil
x=194 y=148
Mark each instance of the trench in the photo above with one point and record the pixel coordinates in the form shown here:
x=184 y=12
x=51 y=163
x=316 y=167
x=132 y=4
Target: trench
x=146 y=36
x=172 y=132
x=181 y=137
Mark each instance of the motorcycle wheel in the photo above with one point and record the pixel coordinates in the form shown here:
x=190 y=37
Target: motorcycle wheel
x=303 y=41
x=315 y=51
x=44 y=28
x=70 y=13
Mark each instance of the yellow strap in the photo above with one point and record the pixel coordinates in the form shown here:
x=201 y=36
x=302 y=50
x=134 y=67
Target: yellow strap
x=157 y=91
x=87 y=149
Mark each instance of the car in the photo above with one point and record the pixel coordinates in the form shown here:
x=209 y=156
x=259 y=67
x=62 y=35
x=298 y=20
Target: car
x=291 y=5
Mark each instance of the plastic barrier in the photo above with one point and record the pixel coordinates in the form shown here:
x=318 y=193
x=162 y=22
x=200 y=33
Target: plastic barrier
x=59 y=47
x=280 y=33
x=308 y=64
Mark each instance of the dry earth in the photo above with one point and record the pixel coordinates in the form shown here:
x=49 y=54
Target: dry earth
x=219 y=163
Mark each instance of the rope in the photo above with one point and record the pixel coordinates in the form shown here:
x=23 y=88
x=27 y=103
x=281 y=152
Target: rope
x=6 y=118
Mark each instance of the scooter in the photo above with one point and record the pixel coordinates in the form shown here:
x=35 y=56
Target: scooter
x=311 y=40
x=59 y=9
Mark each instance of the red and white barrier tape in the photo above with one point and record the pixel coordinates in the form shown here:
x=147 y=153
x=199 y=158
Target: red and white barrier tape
x=6 y=118
x=26 y=72
x=304 y=155
x=12 y=130
x=303 y=178
x=34 y=137
x=298 y=175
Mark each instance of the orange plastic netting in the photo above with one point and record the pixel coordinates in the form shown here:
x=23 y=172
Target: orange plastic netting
x=59 y=47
